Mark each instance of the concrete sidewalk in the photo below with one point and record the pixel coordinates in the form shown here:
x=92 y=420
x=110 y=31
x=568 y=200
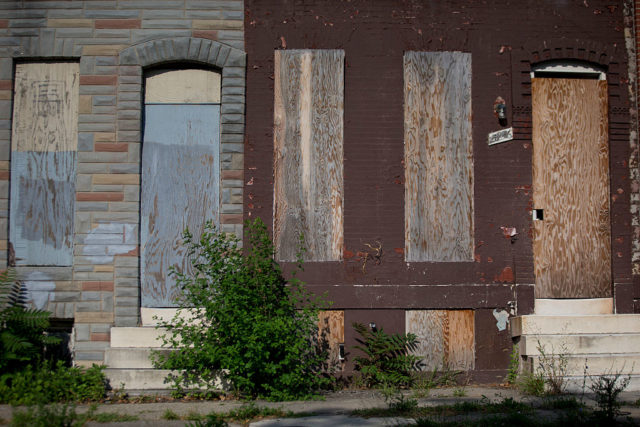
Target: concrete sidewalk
x=334 y=410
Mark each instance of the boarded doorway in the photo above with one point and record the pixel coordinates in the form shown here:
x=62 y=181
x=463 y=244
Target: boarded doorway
x=180 y=173
x=571 y=227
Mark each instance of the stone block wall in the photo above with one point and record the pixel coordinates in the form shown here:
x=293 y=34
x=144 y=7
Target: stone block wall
x=114 y=41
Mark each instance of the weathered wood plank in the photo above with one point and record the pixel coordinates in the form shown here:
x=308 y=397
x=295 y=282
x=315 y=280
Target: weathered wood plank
x=45 y=107
x=571 y=245
x=446 y=337
x=180 y=189
x=43 y=163
x=331 y=329
x=191 y=86
x=308 y=145
x=438 y=157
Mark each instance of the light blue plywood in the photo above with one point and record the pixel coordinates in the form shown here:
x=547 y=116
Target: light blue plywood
x=180 y=188
x=42 y=207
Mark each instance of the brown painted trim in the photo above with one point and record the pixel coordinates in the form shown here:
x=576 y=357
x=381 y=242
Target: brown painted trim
x=467 y=296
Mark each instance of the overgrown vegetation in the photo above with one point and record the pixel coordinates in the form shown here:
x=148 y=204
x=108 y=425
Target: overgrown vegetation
x=26 y=377
x=52 y=383
x=23 y=335
x=245 y=319
x=387 y=358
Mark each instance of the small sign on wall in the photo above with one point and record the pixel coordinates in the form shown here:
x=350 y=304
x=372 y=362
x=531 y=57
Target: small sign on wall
x=502 y=135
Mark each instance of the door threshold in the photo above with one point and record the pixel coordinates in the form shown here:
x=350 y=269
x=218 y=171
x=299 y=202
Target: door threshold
x=578 y=306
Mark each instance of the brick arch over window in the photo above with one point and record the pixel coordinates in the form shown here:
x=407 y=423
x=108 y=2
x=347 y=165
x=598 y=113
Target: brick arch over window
x=231 y=63
x=596 y=53
x=613 y=59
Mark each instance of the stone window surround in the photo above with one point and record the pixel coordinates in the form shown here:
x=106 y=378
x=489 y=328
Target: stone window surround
x=231 y=63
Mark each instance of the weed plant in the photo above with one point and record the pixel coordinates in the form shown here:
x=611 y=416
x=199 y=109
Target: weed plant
x=387 y=358
x=607 y=389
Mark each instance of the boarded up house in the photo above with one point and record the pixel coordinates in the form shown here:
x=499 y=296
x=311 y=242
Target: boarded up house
x=460 y=170
x=454 y=166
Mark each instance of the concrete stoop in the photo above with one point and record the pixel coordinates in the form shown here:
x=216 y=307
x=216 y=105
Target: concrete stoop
x=128 y=359
x=589 y=345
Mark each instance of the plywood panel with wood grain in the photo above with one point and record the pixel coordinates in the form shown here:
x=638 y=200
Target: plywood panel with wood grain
x=308 y=153
x=190 y=86
x=331 y=330
x=180 y=189
x=438 y=156
x=571 y=244
x=446 y=337
x=44 y=162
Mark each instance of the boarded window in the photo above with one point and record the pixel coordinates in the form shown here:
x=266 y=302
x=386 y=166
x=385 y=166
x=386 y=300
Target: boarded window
x=446 y=337
x=308 y=138
x=180 y=173
x=438 y=156
x=44 y=162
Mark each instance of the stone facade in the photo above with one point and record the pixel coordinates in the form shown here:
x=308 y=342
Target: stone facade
x=114 y=41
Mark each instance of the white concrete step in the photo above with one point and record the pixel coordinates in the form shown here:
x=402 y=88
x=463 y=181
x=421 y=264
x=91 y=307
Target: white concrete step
x=530 y=345
x=132 y=337
x=596 y=364
x=578 y=306
x=137 y=379
x=146 y=379
x=570 y=325
x=578 y=384
x=137 y=358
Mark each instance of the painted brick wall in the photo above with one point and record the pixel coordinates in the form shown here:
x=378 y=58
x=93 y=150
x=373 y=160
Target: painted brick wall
x=504 y=40
x=113 y=42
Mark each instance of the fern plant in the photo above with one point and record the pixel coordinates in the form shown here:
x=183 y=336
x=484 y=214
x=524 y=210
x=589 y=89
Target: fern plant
x=387 y=358
x=22 y=329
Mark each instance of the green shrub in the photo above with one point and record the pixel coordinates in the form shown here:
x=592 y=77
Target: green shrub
x=387 y=359
x=22 y=330
x=248 y=320
x=52 y=383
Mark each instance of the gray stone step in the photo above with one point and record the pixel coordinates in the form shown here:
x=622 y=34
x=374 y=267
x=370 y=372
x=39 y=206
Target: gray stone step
x=531 y=345
x=133 y=358
x=571 y=325
x=145 y=379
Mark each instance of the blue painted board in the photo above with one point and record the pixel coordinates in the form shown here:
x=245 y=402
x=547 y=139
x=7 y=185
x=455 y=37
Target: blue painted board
x=180 y=188
x=42 y=207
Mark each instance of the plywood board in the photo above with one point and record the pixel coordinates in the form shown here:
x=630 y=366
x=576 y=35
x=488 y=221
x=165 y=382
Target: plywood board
x=438 y=156
x=308 y=151
x=45 y=107
x=44 y=163
x=331 y=330
x=571 y=245
x=180 y=189
x=191 y=86
x=446 y=337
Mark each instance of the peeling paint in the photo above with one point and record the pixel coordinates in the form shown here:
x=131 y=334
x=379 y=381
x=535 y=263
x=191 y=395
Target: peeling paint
x=106 y=241
x=40 y=289
x=502 y=318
